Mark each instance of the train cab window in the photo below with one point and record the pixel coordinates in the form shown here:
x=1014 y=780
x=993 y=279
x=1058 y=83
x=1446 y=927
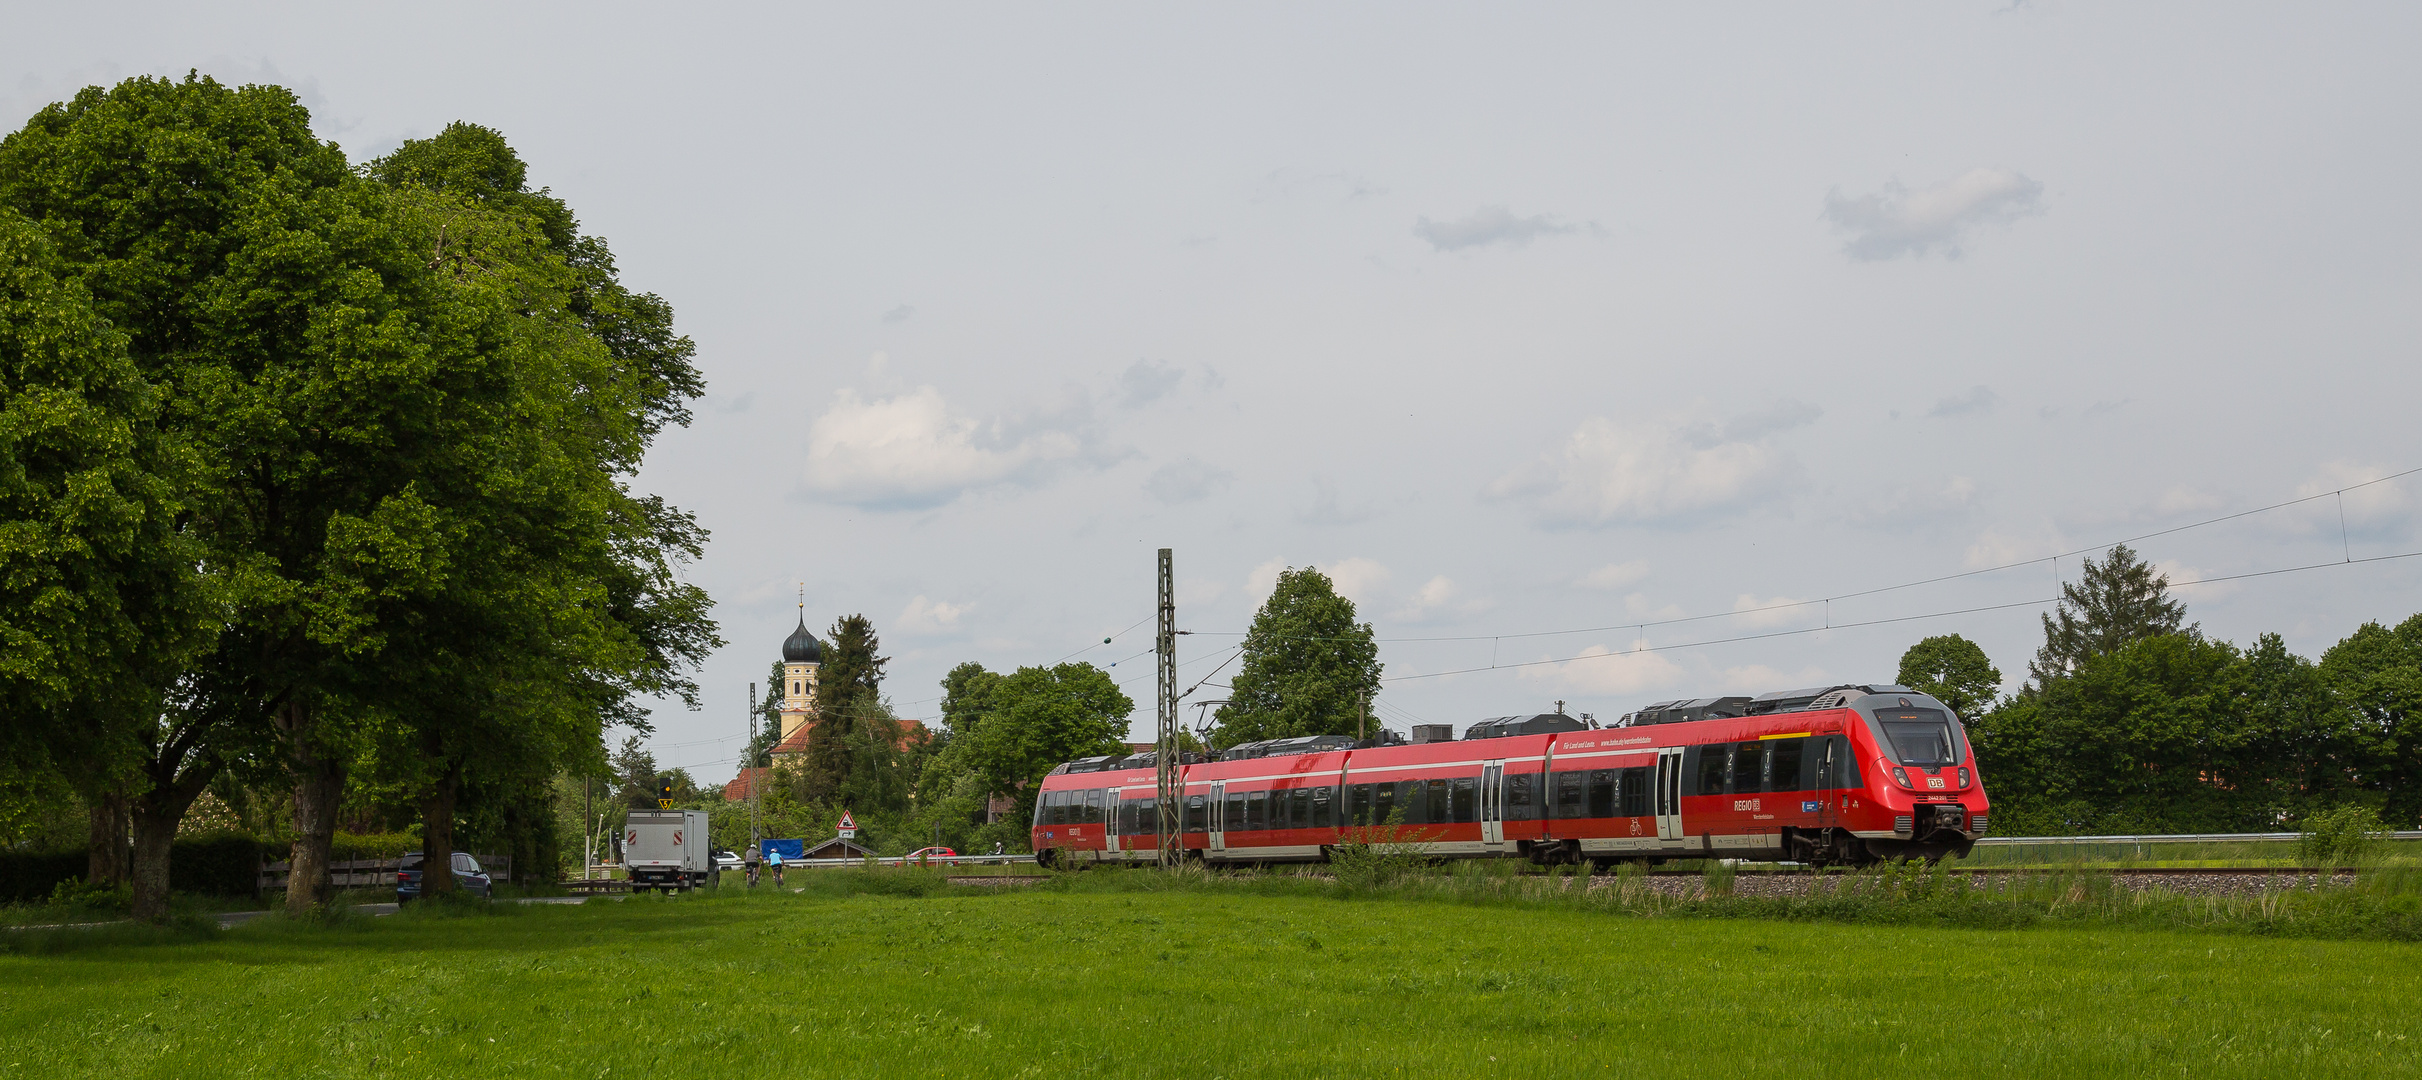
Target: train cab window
x=1712 y=769
x=1257 y=810
x=1467 y=799
x=1920 y=737
x=1324 y=807
x=1602 y=784
x=1834 y=767
x=1634 y=785
x=1059 y=808
x=1783 y=764
x=1521 y=804
x=1748 y=760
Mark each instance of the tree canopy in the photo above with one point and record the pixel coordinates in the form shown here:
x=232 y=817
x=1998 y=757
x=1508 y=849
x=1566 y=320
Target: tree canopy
x=1308 y=668
x=2117 y=601
x=1954 y=670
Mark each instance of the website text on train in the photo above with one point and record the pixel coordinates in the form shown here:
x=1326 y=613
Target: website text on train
x=1838 y=774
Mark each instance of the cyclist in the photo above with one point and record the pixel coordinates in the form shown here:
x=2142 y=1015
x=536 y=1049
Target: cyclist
x=753 y=859
x=775 y=857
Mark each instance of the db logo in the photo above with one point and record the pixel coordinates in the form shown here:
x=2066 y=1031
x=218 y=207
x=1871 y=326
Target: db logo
x=1934 y=781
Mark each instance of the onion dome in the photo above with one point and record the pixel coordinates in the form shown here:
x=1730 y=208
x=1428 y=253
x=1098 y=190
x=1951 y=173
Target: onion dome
x=802 y=647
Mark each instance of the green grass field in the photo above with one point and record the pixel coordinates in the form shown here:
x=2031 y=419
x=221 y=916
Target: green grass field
x=1054 y=981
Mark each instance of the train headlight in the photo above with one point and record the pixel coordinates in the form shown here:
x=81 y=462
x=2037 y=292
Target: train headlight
x=1963 y=776
x=1900 y=776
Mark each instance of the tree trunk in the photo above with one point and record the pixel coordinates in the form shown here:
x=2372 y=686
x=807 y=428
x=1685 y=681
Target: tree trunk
x=106 y=861
x=319 y=786
x=155 y=828
x=437 y=830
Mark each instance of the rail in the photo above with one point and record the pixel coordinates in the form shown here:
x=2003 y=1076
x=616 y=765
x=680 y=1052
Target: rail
x=2179 y=838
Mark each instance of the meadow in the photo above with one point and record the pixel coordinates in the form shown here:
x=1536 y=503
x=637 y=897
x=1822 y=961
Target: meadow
x=896 y=974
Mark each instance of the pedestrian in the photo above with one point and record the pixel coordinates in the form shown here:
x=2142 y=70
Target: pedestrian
x=775 y=857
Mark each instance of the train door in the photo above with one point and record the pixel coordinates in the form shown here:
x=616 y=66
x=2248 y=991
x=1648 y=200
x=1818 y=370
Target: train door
x=1669 y=793
x=1492 y=803
x=1827 y=780
x=1111 y=823
x=1219 y=817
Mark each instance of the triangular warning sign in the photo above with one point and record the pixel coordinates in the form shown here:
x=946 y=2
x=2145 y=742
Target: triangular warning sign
x=848 y=822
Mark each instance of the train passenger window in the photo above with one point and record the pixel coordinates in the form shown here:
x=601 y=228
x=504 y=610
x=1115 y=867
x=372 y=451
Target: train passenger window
x=1257 y=810
x=1635 y=791
x=1438 y=811
x=1059 y=807
x=1467 y=799
x=1602 y=793
x=1235 y=818
x=1783 y=764
x=1299 y=808
x=1097 y=805
x=1748 y=760
x=1519 y=803
x=1712 y=762
x=1126 y=817
x=1383 y=803
x=1324 y=807
x=1148 y=814
x=1571 y=799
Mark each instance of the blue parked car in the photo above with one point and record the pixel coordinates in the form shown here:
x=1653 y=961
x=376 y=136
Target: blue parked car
x=467 y=876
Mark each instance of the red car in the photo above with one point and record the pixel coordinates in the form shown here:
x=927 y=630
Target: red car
x=930 y=856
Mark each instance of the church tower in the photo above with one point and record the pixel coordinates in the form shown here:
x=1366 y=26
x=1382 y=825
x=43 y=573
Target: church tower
x=802 y=654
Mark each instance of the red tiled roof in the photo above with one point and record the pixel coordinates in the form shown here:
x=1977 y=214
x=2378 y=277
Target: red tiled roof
x=740 y=786
x=912 y=732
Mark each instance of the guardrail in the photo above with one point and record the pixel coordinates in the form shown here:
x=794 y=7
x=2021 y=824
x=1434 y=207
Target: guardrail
x=2180 y=838
x=900 y=860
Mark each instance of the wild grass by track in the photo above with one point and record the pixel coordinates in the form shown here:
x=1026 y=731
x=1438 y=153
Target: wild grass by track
x=896 y=974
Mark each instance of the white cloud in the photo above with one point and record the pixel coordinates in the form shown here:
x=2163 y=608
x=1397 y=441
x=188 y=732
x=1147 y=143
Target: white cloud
x=911 y=451
x=1948 y=500
x=1488 y=225
x=2372 y=508
x=1645 y=610
x=1615 y=575
x=1994 y=547
x=1750 y=680
x=2178 y=573
x=1438 y=595
x=1357 y=579
x=1601 y=670
x=2183 y=500
x=923 y=616
x=1897 y=221
x=1186 y=480
x=1261 y=579
x=1978 y=400
x=1605 y=473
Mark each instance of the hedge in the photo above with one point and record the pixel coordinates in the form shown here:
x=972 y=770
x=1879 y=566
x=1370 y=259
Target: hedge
x=212 y=866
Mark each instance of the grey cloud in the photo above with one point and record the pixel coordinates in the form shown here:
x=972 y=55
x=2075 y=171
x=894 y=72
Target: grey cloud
x=1332 y=507
x=1146 y=381
x=899 y=314
x=1186 y=480
x=1980 y=399
x=1897 y=221
x=1488 y=225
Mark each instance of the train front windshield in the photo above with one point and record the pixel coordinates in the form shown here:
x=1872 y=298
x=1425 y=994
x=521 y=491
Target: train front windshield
x=1920 y=737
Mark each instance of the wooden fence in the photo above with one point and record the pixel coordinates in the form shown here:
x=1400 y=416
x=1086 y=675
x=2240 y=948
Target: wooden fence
x=373 y=873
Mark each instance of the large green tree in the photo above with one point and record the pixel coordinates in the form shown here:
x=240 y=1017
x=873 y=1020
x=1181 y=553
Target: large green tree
x=2376 y=674
x=1954 y=670
x=2115 y=602
x=99 y=601
x=1038 y=717
x=1308 y=667
x=849 y=706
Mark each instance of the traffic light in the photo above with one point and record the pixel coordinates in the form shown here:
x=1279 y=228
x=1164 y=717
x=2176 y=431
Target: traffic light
x=664 y=792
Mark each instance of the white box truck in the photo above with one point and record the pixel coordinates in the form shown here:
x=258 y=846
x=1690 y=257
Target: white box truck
x=668 y=850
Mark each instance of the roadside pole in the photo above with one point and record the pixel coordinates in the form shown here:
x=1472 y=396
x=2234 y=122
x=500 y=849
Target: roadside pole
x=1165 y=746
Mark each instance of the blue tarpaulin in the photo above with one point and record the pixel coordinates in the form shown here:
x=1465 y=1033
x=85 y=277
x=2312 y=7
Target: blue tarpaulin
x=790 y=849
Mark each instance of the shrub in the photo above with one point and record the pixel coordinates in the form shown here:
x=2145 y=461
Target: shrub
x=2343 y=836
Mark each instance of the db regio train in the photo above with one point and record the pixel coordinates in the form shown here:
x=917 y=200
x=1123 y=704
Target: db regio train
x=1825 y=775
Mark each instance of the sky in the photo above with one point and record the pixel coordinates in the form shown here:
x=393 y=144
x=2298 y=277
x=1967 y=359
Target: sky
x=1538 y=327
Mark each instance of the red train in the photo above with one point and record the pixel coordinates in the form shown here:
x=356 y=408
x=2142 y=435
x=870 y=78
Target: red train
x=1840 y=774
